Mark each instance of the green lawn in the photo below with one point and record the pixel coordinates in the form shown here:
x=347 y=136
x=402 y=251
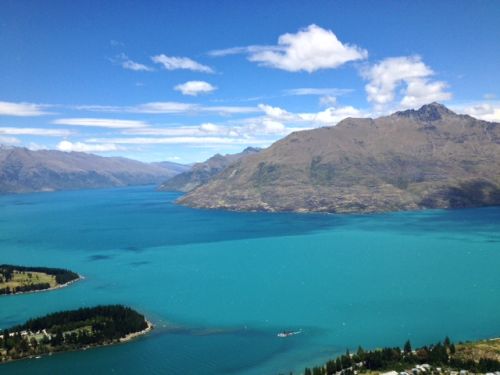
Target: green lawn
x=27 y=278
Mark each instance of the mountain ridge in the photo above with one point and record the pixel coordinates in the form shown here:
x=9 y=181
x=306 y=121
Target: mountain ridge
x=23 y=170
x=201 y=173
x=414 y=159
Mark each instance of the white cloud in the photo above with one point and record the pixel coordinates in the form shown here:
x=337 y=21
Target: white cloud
x=482 y=111
x=310 y=49
x=9 y=140
x=35 y=131
x=420 y=92
x=169 y=107
x=68 y=146
x=132 y=65
x=22 y=109
x=101 y=123
x=167 y=132
x=331 y=116
x=389 y=74
x=195 y=88
x=123 y=60
x=276 y=112
x=238 y=50
x=266 y=126
x=163 y=107
x=210 y=128
x=174 y=63
x=177 y=140
x=328 y=101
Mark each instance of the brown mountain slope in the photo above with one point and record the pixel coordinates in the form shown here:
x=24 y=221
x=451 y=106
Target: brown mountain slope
x=22 y=170
x=426 y=158
x=201 y=173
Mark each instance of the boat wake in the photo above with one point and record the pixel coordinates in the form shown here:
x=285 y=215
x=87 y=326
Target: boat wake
x=289 y=333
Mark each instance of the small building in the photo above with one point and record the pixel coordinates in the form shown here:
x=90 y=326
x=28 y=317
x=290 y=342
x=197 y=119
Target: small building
x=390 y=373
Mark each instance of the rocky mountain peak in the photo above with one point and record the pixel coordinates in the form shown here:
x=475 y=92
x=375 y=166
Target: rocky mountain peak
x=429 y=112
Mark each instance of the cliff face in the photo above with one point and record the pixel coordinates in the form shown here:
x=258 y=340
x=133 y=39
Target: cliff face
x=22 y=170
x=201 y=173
x=426 y=158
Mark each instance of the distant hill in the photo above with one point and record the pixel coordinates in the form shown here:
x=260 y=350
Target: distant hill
x=200 y=173
x=415 y=159
x=22 y=170
x=174 y=168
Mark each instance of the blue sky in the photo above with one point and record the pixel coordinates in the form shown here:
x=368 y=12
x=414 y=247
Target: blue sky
x=183 y=80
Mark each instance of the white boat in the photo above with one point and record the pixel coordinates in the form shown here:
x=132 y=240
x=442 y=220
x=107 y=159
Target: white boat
x=288 y=333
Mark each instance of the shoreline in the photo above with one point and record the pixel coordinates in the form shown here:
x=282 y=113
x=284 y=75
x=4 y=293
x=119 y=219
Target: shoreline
x=134 y=335
x=60 y=286
x=123 y=340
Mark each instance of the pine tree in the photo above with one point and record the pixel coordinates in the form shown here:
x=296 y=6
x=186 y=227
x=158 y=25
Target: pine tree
x=407 y=347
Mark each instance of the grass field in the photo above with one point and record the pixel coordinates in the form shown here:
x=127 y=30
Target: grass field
x=479 y=349
x=27 y=278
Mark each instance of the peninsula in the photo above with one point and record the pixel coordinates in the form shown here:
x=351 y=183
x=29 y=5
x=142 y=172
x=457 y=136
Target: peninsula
x=72 y=330
x=410 y=160
x=21 y=279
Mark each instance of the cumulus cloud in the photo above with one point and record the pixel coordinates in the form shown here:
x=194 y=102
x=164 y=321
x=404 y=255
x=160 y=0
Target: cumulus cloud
x=68 y=146
x=310 y=49
x=101 y=123
x=387 y=76
x=273 y=123
x=276 y=112
x=22 y=109
x=332 y=115
x=264 y=126
x=483 y=111
x=175 y=62
x=35 y=131
x=195 y=88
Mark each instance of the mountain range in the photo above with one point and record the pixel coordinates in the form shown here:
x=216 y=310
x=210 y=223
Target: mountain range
x=23 y=170
x=413 y=159
x=201 y=173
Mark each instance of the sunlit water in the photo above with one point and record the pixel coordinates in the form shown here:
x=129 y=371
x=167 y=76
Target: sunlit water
x=220 y=285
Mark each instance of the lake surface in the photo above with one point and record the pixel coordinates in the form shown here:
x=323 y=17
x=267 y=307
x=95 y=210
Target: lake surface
x=220 y=285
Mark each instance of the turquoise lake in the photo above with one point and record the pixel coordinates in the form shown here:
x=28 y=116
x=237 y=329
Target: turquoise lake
x=220 y=285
